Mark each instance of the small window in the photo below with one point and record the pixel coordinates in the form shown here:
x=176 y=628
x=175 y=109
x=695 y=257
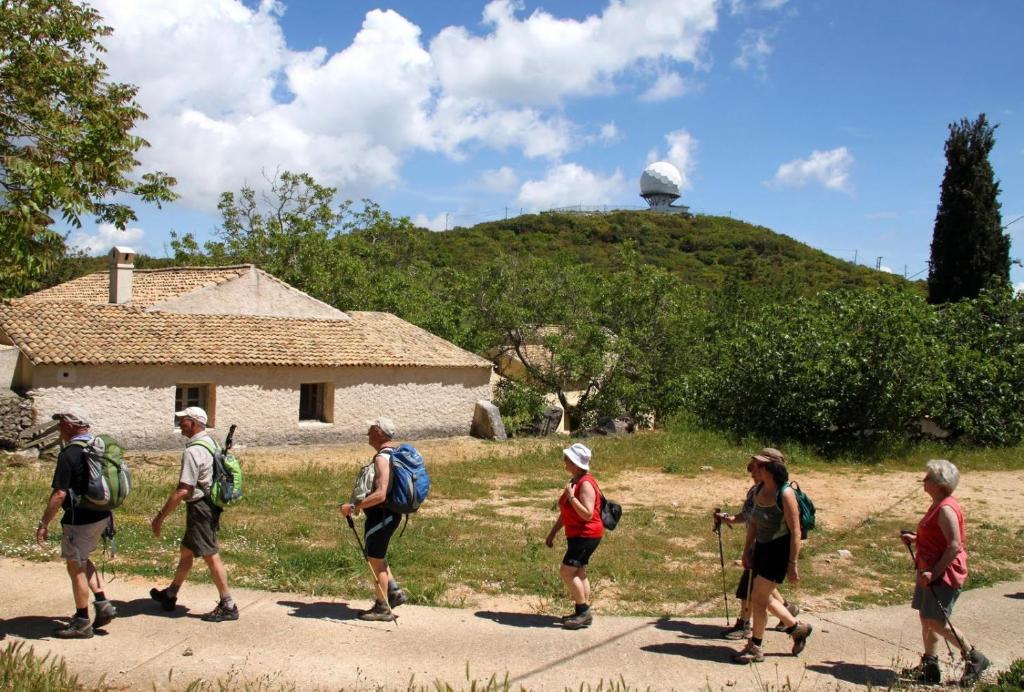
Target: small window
x=313 y=402
x=200 y=395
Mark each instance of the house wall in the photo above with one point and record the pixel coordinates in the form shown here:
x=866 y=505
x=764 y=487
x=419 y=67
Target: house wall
x=8 y=366
x=136 y=403
x=253 y=293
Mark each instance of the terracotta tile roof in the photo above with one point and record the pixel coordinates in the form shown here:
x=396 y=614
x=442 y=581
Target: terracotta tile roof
x=51 y=332
x=149 y=286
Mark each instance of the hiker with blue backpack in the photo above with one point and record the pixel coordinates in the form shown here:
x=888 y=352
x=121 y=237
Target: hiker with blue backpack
x=202 y=517
x=370 y=495
x=771 y=551
x=83 y=525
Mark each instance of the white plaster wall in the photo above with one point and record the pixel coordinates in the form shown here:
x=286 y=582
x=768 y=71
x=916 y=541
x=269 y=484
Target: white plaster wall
x=253 y=293
x=136 y=403
x=8 y=365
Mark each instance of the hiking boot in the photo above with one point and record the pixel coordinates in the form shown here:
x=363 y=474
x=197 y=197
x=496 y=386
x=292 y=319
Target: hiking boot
x=974 y=666
x=77 y=628
x=166 y=601
x=793 y=609
x=578 y=622
x=926 y=672
x=221 y=613
x=739 y=630
x=800 y=635
x=105 y=612
x=751 y=653
x=378 y=613
x=397 y=598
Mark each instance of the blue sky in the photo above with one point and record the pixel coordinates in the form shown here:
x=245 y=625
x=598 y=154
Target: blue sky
x=821 y=120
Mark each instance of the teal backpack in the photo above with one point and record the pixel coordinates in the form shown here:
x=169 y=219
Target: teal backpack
x=807 y=518
x=109 y=481
x=226 y=488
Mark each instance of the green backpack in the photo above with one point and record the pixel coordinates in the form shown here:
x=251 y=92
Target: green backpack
x=109 y=480
x=227 y=471
x=807 y=512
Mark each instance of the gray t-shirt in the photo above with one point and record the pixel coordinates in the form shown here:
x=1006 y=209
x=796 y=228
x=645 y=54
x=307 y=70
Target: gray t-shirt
x=197 y=465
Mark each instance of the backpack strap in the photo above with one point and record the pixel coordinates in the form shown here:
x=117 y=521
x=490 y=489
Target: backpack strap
x=214 y=450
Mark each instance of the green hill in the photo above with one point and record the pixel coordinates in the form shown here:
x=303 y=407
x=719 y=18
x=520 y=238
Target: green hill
x=701 y=250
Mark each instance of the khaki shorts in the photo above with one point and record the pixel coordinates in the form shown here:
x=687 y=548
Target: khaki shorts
x=201 y=524
x=80 y=540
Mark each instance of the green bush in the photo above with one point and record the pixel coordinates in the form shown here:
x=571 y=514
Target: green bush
x=1009 y=680
x=520 y=405
x=830 y=370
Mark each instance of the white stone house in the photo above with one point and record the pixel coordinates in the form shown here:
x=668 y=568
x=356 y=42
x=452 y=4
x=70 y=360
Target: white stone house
x=132 y=346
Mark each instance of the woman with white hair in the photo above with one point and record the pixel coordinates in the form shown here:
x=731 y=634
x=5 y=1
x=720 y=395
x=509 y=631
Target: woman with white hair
x=941 y=563
x=579 y=511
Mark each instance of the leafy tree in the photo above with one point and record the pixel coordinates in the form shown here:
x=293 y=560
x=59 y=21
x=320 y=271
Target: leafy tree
x=969 y=249
x=66 y=146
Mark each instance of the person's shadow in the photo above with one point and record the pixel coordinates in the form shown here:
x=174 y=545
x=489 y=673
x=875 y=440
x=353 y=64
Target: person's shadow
x=856 y=673
x=1019 y=595
x=146 y=606
x=699 y=652
x=32 y=626
x=518 y=619
x=691 y=629
x=321 y=610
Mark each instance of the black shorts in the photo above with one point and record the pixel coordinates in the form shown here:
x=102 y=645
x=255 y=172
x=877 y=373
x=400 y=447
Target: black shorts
x=771 y=559
x=380 y=525
x=579 y=551
x=202 y=519
x=742 y=589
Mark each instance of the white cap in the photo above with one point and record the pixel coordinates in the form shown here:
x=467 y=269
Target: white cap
x=578 y=454
x=74 y=415
x=386 y=425
x=194 y=412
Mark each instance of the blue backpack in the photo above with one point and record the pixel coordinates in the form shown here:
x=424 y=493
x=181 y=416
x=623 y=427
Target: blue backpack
x=409 y=484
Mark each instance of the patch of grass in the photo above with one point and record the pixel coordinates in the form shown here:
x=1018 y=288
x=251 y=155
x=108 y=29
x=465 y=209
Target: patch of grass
x=22 y=670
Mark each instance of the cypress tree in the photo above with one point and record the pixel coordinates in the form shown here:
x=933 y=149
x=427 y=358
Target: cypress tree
x=969 y=249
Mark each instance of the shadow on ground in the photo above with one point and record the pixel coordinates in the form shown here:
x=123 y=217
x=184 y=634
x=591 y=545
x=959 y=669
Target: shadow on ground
x=1019 y=595
x=321 y=610
x=518 y=619
x=32 y=626
x=691 y=629
x=712 y=652
x=146 y=606
x=856 y=673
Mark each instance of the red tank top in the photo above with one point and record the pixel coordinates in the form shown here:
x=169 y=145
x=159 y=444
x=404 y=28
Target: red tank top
x=931 y=544
x=575 y=527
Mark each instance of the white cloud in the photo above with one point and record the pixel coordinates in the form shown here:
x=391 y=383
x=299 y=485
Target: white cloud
x=437 y=223
x=830 y=169
x=542 y=58
x=742 y=6
x=609 y=132
x=501 y=179
x=103 y=238
x=682 y=148
x=668 y=85
x=227 y=98
x=755 y=49
x=887 y=270
x=568 y=184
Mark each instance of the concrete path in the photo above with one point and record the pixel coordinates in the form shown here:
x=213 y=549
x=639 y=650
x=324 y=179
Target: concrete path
x=318 y=644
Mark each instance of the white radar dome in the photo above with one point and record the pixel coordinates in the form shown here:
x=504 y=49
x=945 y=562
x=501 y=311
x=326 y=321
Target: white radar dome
x=660 y=178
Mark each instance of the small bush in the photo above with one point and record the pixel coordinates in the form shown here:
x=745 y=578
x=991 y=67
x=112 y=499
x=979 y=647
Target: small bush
x=1009 y=680
x=520 y=405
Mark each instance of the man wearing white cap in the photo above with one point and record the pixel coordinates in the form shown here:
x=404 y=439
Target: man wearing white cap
x=579 y=511
x=202 y=518
x=368 y=495
x=82 y=527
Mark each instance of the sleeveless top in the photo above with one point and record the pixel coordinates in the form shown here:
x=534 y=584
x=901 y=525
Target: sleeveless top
x=575 y=527
x=931 y=544
x=771 y=522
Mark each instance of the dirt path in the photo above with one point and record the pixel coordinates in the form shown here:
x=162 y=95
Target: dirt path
x=291 y=639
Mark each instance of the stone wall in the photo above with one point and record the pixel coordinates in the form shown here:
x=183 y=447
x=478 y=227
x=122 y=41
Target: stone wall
x=16 y=414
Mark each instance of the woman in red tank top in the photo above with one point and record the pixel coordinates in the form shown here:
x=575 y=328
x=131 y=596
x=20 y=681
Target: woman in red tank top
x=941 y=563
x=579 y=511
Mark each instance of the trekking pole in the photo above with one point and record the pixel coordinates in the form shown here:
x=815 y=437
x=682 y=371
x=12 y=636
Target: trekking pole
x=376 y=583
x=942 y=608
x=721 y=561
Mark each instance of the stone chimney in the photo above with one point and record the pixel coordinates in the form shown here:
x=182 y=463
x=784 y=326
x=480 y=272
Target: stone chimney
x=122 y=263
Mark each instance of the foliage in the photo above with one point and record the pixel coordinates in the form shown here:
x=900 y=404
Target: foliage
x=66 y=146
x=520 y=405
x=1009 y=680
x=984 y=339
x=969 y=249
x=26 y=672
x=826 y=370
